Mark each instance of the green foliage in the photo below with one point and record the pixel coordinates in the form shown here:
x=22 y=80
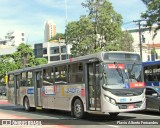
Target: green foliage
x=58 y=36
x=125 y=42
x=6 y=65
x=39 y=61
x=24 y=57
x=96 y=31
x=152 y=13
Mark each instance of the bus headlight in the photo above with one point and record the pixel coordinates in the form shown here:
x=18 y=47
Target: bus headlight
x=111 y=100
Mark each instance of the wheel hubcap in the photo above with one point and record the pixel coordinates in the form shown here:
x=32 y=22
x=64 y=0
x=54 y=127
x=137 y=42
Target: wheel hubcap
x=78 y=108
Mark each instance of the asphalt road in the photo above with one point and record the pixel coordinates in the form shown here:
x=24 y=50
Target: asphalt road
x=63 y=118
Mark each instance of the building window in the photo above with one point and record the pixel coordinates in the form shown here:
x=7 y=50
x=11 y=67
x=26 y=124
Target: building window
x=44 y=50
x=54 y=58
x=22 y=39
x=22 y=34
x=54 y=50
x=63 y=49
x=64 y=57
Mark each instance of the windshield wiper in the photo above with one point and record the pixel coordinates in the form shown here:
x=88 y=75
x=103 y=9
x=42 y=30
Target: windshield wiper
x=119 y=71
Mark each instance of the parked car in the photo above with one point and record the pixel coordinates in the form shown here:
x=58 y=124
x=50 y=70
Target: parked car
x=2 y=90
x=153 y=98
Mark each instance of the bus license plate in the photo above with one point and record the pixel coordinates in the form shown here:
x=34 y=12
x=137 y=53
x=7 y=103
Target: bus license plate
x=131 y=106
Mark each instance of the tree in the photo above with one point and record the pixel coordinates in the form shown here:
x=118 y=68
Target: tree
x=80 y=35
x=96 y=31
x=125 y=42
x=152 y=13
x=6 y=65
x=58 y=36
x=24 y=57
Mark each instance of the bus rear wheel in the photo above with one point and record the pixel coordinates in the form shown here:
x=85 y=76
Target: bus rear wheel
x=27 y=105
x=114 y=114
x=78 y=109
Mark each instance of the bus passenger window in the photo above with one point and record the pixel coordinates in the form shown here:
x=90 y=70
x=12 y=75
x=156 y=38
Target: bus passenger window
x=48 y=76
x=24 y=79
x=75 y=73
x=29 y=79
x=61 y=74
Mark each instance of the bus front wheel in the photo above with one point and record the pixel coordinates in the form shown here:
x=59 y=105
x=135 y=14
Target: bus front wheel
x=78 y=109
x=114 y=114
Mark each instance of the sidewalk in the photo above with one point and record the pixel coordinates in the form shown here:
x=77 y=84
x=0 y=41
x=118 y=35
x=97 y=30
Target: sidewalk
x=7 y=119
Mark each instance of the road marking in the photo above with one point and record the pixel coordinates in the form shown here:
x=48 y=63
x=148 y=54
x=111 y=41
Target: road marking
x=113 y=126
x=135 y=114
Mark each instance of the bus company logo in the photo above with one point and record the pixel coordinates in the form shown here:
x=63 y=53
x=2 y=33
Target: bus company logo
x=72 y=90
x=30 y=91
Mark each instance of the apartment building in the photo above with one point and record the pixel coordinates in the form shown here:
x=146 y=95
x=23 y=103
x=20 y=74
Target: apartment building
x=15 y=37
x=52 y=51
x=49 y=30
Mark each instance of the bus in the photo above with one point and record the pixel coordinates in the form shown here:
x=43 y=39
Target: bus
x=102 y=83
x=151 y=71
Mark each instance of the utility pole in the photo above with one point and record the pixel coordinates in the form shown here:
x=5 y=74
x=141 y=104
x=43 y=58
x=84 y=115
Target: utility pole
x=140 y=40
x=67 y=56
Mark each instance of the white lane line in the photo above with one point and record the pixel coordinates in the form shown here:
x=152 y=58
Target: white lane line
x=140 y=114
x=113 y=126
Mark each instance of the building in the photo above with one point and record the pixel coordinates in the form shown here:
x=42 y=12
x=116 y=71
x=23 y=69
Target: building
x=14 y=38
x=49 y=30
x=7 y=50
x=3 y=42
x=148 y=42
x=52 y=51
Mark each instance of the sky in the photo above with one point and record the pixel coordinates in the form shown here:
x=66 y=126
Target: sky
x=30 y=15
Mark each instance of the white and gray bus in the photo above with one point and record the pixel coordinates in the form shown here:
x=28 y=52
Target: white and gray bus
x=105 y=82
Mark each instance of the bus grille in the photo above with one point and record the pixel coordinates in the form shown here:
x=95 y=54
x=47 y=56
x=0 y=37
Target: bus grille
x=129 y=105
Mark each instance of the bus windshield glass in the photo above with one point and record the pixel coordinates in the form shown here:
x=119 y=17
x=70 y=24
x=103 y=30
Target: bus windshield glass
x=119 y=74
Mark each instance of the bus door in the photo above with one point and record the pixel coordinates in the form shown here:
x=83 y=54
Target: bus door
x=37 y=88
x=93 y=86
x=17 y=88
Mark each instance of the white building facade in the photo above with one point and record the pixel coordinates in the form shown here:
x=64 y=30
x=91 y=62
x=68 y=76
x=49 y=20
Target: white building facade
x=147 y=40
x=15 y=38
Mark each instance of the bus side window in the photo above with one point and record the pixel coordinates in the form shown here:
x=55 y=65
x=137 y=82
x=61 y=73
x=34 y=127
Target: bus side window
x=75 y=73
x=48 y=76
x=29 y=79
x=61 y=74
x=24 y=79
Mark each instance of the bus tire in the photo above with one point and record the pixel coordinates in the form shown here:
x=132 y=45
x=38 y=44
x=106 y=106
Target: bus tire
x=114 y=114
x=27 y=105
x=78 y=109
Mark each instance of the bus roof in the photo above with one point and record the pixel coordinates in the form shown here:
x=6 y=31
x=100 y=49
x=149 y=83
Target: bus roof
x=149 y=63
x=91 y=57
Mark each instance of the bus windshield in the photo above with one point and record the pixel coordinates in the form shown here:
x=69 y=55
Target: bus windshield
x=119 y=74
